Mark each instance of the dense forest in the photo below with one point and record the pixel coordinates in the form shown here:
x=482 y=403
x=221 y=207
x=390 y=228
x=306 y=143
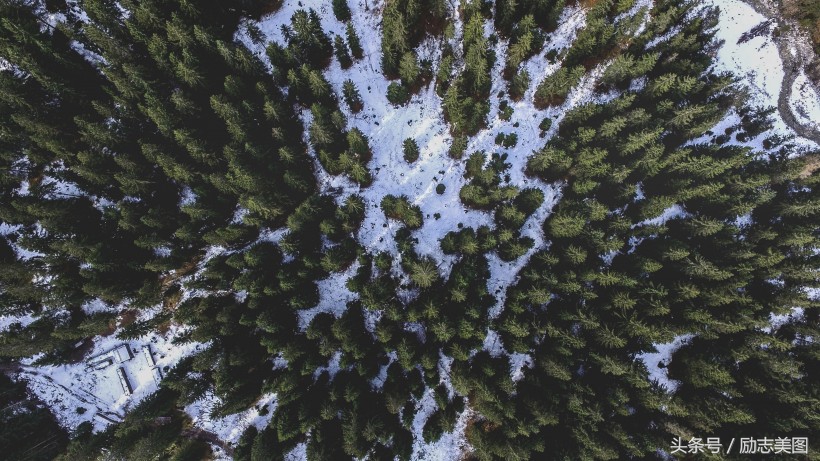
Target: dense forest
x=181 y=166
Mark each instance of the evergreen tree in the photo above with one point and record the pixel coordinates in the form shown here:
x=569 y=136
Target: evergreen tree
x=340 y=48
x=411 y=150
x=353 y=41
x=351 y=96
x=341 y=10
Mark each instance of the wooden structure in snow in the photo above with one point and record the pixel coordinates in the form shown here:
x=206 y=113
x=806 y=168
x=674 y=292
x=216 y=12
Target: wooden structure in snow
x=157 y=375
x=126 y=386
x=123 y=353
x=146 y=351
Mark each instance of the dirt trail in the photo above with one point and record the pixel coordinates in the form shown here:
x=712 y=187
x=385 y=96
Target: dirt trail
x=796 y=52
x=208 y=437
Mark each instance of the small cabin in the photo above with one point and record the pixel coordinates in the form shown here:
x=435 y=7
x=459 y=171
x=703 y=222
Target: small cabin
x=146 y=351
x=103 y=362
x=157 y=375
x=126 y=386
x=106 y=418
x=123 y=353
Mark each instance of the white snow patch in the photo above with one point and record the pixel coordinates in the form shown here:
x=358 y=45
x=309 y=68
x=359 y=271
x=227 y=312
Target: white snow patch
x=6 y=321
x=673 y=212
x=333 y=366
x=451 y=445
x=230 y=428
x=755 y=62
x=518 y=362
x=97 y=305
x=805 y=102
x=493 y=344
x=778 y=320
x=662 y=356
x=297 y=454
x=333 y=296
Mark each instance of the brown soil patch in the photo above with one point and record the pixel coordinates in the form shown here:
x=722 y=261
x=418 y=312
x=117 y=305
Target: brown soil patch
x=127 y=317
x=812 y=165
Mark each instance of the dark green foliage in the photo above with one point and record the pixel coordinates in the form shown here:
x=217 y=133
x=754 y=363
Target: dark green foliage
x=465 y=102
x=506 y=140
x=545 y=125
x=468 y=241
x=625 y=67
x=555 y=88
x=509 y=13
x=525 y=40
x=242 y=452
x=353 y=41
x=519 y=85
x=485 y=189
x=458 y=147
x=409 y=69
x=339 y=151
x=342 y=54
x=306 y=39
x=404 y=24
x=341 y=10
x=505 y=111
x=30 y=431
x=400 y=209
x=397 y=93
x=152 y=429
x=172 y=174
x=410 y=150
x=352 y=97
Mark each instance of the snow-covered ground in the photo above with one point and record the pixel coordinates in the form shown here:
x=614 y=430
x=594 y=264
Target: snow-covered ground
x=805 y=102
x=78 y=392
x=452 y=445
x=755 y=61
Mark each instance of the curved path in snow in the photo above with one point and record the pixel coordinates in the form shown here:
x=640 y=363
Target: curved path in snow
x=796 y=53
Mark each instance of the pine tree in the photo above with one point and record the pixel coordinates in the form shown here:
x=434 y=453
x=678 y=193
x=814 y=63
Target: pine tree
x=353 y=41
x=351 y=96
x=341 y=10
x=411 y=150
x=555 y=88
x=340 y=48
x=397 y=93
x=409 y=70
x=519 y=85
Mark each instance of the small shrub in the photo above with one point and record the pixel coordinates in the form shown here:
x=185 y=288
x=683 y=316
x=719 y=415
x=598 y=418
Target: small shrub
x=400 y=209
x=545 y=126
x=505 y=111
x=506 y=140
x=510 y=140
